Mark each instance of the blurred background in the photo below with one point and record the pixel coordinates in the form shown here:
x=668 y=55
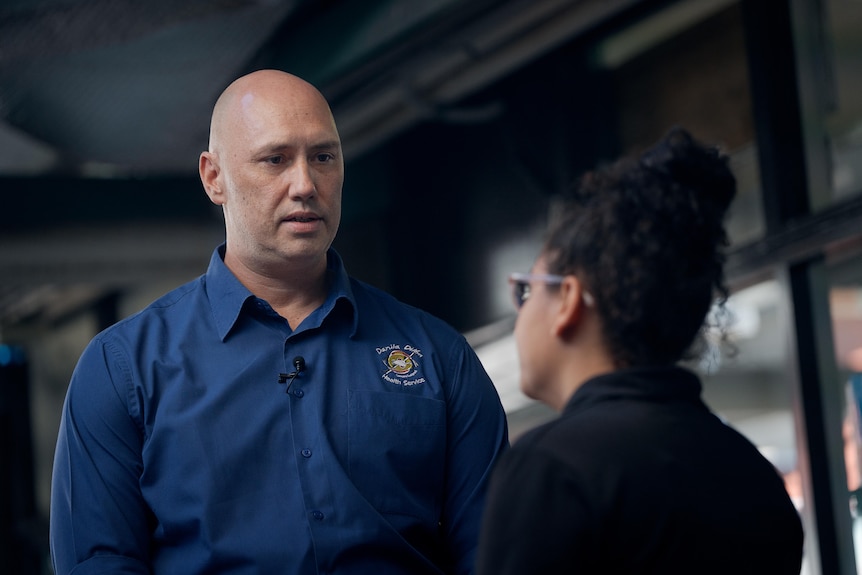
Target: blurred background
x=459 y=120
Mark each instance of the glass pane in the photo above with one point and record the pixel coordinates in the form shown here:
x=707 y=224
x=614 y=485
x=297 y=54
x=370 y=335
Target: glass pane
x=845 y=304
x=745 y=221
x=746 y=380
x=844 y=123
x=687 y=64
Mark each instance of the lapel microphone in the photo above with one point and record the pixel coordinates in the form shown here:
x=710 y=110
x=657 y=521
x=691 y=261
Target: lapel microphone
x=298 y=366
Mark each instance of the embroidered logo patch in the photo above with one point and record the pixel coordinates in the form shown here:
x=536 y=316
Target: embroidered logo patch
x=402 y=364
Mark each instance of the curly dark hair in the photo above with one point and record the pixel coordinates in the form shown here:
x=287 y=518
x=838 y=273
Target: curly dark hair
x=646 y=236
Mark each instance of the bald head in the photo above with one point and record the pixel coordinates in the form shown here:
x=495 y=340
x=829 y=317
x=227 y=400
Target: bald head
x=275 y=167
x=254 y=99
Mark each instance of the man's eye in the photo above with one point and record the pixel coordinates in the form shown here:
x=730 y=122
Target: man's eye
x=274 y=160
x=324 y=157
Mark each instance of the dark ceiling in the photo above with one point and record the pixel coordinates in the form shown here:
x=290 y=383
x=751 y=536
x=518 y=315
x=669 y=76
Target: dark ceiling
x=122 y=87
x=104 y=108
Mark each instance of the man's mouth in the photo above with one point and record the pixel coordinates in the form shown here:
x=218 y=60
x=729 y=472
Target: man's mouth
x=302 y=218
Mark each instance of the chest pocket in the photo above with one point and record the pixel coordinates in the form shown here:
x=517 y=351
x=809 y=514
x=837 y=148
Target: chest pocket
x=397 y=451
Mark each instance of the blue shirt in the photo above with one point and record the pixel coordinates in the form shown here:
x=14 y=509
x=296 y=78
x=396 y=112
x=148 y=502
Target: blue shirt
x=180 y=452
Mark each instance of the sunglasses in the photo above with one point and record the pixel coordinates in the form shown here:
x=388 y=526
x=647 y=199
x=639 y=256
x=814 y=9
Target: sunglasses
x=520 y=284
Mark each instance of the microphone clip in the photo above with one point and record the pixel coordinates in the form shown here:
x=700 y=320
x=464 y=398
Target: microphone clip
x=298 y=367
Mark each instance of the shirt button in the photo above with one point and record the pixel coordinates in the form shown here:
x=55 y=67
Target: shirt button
x=298 y=392
x=306 y=453
x=318 y=515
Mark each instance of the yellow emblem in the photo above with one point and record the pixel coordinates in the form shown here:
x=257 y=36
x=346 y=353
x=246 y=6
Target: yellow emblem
x=399 y=362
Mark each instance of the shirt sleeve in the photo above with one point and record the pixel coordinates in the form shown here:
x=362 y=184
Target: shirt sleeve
x=477 y=435
x=98 y=520
x=536 y=519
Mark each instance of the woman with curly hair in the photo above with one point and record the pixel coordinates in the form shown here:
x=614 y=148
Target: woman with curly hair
x=637 y=475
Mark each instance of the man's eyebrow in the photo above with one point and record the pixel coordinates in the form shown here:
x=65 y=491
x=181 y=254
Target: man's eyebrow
x=276 y=146
x=327 y=144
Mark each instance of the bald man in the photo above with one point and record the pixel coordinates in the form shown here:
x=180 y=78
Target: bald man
x=274 y=415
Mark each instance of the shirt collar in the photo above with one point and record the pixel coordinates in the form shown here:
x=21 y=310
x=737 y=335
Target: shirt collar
x=340 y=290
x=227 y=295
x=651 y=383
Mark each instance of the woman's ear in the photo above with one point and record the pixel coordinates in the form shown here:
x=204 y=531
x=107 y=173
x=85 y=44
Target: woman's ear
x=209 y=172
x=573 y=301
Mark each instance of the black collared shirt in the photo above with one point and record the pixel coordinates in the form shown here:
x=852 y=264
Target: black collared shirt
x=638 y=476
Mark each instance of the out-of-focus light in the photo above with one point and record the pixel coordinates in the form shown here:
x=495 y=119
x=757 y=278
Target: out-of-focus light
x=10 y=354
x=854 y=360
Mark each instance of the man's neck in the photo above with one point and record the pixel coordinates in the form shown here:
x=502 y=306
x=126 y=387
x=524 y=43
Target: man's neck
x=292 y=291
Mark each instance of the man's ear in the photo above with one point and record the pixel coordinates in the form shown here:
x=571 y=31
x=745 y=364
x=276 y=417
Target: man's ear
x=572 y=304
x=209 y=171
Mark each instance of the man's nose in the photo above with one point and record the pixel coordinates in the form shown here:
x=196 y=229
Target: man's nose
x=301 y=180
